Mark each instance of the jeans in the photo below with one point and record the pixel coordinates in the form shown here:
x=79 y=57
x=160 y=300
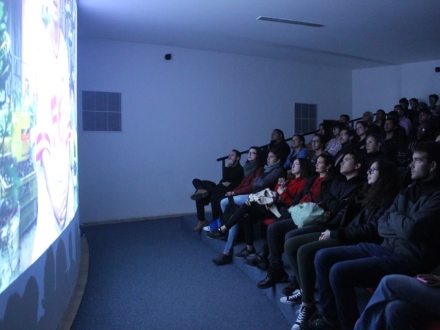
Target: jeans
x=398 y=303
x=340 y=269
x=233 y=231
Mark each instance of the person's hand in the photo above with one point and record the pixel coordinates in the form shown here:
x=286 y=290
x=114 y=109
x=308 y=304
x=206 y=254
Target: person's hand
x=248 y=202
x=280 y=190
x=226 y=184
x=431 y=280
x=324 y=235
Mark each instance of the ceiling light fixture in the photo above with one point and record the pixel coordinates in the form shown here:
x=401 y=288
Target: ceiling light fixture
x=288 y=21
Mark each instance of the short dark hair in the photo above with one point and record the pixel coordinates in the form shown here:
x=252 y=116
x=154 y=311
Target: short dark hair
x=237 y=153
x=345 y=116
x=394 y=120
x=434 y=96
x=414 y=100
x=393 y=113
x=381 y=110
x=403 y=100
x=276 y=151
x=321 y=137
x=358 y=159
x=432 y=150
x=280 y=132
x=301 y=139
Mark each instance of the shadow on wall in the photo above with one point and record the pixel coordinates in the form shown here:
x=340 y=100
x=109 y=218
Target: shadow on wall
x=22 y=312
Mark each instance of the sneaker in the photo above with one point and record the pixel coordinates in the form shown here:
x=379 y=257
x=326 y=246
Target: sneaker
x=200 y=225
x=257 y=261
x=245 y=252
x=274 y=275
x=294 y=298
x=216 y=234
x=199 y=194
x=207 y=228
x=222 y=259
x=292 y=287
x=304 y=315
x=319 y=323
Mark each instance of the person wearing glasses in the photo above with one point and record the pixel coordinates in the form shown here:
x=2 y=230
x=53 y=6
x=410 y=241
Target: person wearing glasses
x=317 y=148
x=410 y=230
x=355 y=223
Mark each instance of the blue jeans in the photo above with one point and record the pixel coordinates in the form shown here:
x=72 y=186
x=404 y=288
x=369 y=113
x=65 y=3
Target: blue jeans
x=398 y=303
x=233 y=231
x=340 y=269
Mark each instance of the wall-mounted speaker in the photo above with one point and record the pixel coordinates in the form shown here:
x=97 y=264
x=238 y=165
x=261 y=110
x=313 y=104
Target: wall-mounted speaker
x=168 y=57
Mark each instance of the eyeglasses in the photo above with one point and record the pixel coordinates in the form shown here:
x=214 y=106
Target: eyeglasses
x=252 y=153
x=371 y=170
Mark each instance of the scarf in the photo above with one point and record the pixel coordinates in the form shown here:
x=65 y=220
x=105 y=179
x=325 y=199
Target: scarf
x=250 y=167
x=269 y=168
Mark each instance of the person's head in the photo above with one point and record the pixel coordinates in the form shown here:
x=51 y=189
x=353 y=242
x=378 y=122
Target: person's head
x=345 y=137
x=380 y=115
x=367 y=116
x=383 y=180
x=298 y=141
x=413 y=102
x=336 y=129
x=433 y=98
x=392 y=114
x=351 y=164
x=424 y=115
x=361 y=128
x=234 y=156
x=277 y=136
x=300 y=168
x=273 y=156
x=403 y=102
x=400 y=111
x=374 y=143
x=390 y=125
x=254 y=154
x=426 y=131
x=318 y=142
x=344 y=119
x=425 y=163
x=324 y=131
x=324 y=164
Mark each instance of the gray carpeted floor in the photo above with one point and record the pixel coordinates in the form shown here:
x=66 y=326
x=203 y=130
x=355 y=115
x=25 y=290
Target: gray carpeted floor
x=154 y=275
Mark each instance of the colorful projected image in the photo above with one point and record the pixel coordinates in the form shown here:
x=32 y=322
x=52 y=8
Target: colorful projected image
x=38 y=146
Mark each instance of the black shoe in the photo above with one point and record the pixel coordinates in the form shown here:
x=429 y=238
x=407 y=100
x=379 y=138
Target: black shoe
x=293 y=286
x=319 y=323
x=245 y=252
x=222 y=259
x=304 y=315
x=216 y=234
x=274 y=275
x=254 y=260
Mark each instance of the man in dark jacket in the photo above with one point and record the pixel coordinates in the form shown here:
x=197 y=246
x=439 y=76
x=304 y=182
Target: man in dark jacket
x=410 y=229
x=209 y=192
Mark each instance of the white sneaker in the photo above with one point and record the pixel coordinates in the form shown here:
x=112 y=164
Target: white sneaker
x=292 y=299
x=207 y=228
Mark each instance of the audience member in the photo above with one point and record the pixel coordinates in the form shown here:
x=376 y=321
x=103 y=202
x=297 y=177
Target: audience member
x=346 y=139
x=367 y=117
x=298 y=150
x=209 y=192
x=361 y=134
x=403 y=302
x=374 y=149
x=344 y=120
x=318 y=145
x=380 y=119
x=433 y=98
x=410 y=230
x=403 y=121
x=333 y=146
x=277 y=141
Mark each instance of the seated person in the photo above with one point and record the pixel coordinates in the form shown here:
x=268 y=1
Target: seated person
x=252 y=169
x=209 y=192
x=331 y=199
x=403 y=302
x=298 y=150
x=357 y=222
x=410 y=229
x=286 y=192
x=374 y=148
x=380 y=119
x=346 y=139
x=333 y=146
x=361 y=134
x=317 y=148
x=277 y=141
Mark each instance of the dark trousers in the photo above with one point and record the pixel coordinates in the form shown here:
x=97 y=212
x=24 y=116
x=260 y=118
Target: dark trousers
x=340 y=269
x=216 y=194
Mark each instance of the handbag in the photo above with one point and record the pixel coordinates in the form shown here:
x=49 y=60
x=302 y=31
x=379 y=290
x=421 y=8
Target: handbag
x=305 y=214
x=267 y=198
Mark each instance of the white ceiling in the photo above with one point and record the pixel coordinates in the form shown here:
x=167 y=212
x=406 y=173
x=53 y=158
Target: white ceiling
x=356 y=33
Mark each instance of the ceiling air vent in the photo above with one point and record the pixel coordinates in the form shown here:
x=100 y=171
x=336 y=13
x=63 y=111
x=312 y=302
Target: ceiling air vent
x=287 y=21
